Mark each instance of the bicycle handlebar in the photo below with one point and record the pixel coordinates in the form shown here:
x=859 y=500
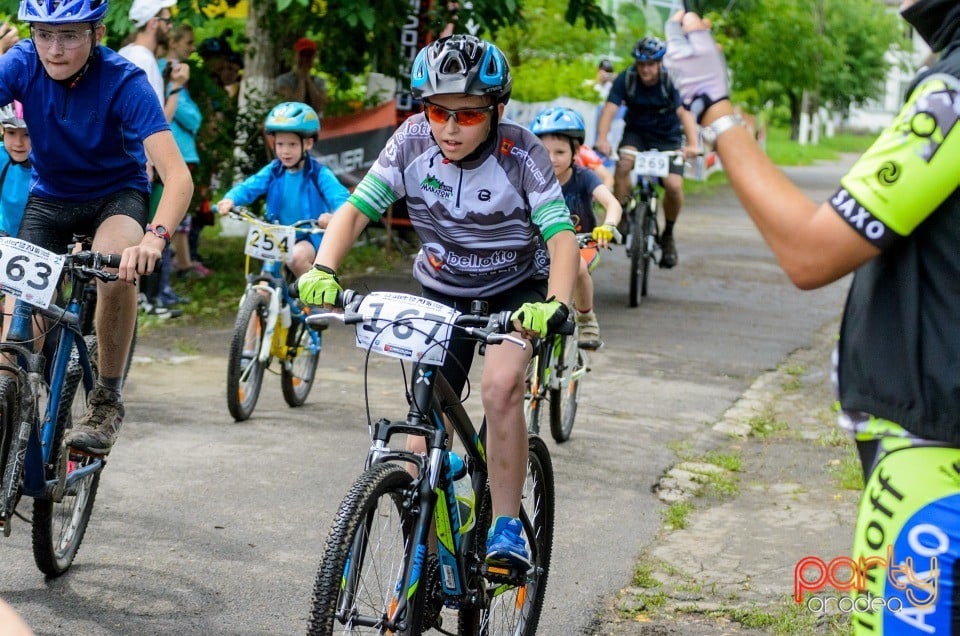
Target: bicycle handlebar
x=243 y=213
x=489 y=329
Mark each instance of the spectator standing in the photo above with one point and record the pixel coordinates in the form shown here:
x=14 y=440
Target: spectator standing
x=153 y=22
x=185 y=125
x=300 y=84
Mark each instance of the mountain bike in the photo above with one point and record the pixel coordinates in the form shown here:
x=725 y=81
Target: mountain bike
x=641 y=211
x=271 y=323
x=39 y=401
x=380 y=572
x=555 y=371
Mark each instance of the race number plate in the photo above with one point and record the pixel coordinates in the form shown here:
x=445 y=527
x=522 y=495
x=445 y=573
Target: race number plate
x=270 y=243
x=28 y=272
x=652 y=164
x=406 y=327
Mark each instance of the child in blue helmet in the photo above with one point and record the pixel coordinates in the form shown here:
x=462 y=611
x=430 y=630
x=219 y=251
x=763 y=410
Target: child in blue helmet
x=562 y=132
x=296 y=185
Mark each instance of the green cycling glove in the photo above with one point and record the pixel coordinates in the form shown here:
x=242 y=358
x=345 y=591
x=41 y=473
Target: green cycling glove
x=541 y=317
x=319 y=286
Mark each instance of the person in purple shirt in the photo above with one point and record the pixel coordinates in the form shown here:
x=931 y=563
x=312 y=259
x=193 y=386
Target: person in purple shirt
x=94 y=119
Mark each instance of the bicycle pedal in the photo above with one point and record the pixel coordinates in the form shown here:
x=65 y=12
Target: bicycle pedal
x=78 y=455
x=504 y=575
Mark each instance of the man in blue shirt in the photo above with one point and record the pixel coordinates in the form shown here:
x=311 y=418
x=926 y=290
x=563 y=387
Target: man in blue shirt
x=94 y=119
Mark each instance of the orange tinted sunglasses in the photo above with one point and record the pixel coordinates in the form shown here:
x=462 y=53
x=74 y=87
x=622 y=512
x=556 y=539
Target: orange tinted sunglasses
x=463 y=116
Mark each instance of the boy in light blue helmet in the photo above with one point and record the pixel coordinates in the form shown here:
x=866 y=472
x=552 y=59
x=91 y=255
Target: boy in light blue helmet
x=93 y=119
x=297 y=186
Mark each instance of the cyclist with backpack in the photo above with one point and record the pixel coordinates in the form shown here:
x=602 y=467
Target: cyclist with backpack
x=562 y=132
x=297 y=186
x=654 y=120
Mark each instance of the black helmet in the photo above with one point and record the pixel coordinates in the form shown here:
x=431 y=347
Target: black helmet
x=649 y=49
x=213 y=47
x=461 y=64
x=606 y=65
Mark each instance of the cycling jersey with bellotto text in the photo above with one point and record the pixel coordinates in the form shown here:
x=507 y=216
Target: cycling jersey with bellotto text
x=483 y=221
x=76 y=132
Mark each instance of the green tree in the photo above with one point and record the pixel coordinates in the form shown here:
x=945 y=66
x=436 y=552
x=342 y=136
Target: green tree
x=831 y=50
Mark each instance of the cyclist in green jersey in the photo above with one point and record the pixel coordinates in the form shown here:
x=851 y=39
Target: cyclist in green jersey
x=895 y=222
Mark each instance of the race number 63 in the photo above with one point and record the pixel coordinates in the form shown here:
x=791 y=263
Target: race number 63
x=28 y=272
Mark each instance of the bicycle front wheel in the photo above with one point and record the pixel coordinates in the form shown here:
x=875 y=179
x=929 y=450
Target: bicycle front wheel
x=300 y=367
x=635 y=251
x=534 y=394
x=650 y=237
x=9 y=425
x=565 y=398
x=359 y=578
x=59 y=526
x=245 y=370
x=515 y=610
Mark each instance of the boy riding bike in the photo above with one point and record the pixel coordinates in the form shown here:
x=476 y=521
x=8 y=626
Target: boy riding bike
x=297 y=186
x=93 y=119
x=489 y=212
x=562 y=132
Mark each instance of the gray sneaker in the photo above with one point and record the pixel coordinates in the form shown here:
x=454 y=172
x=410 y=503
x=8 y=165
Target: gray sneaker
x=97 y=430
x=589 y=331
x=668 y=251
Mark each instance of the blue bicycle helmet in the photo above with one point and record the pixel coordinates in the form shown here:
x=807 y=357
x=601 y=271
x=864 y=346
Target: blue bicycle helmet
x=295 y=117
x=649 y=49
x=560 y=121
x=62 y=11
x=461 y=64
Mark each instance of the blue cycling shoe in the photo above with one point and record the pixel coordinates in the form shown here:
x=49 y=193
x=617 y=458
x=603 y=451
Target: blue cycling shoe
x=506 y=546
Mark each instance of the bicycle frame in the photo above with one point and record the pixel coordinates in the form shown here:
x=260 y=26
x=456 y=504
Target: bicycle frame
x=271 y=282
x=36 y=444
x=431 y=403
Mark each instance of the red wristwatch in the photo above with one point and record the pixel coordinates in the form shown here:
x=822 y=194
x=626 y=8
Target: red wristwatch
x=161 y=231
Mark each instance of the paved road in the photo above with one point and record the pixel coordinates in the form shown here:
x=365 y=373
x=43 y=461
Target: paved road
x=204 y=526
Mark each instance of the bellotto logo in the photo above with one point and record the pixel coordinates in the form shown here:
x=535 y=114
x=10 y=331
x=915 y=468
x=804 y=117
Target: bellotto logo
x=813 y=574
x=506 y=146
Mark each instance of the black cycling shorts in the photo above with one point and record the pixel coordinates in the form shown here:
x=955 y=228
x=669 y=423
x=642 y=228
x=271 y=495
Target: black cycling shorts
x=633 y=139
x=52 y=223
x=456 y=366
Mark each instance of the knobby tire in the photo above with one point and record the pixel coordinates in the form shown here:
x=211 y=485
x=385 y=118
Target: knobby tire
x=299 y=370
x=9 y=425
x=535 y=392
x=515 y=611
x=565 y=398
x=364 y=557
x=244 y=391
x=59 y=527
x=636 y=250
x=650 y=237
